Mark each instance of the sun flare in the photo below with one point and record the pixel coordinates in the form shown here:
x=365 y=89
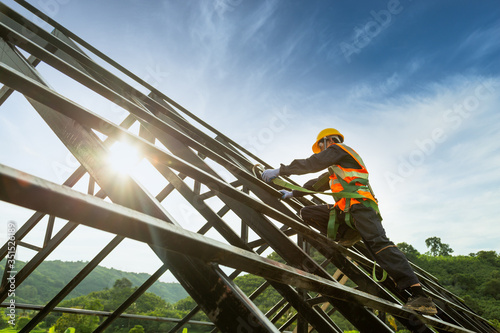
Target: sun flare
x=123 y=157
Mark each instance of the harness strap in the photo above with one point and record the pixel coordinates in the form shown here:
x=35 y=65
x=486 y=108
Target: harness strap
x=333 y=225
x=347 y=213
x=384 y=274
x=336 y=196
x=325 y=179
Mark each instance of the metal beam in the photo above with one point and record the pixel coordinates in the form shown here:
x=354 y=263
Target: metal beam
x=23 y=306
x=38 y=194
x=162 y=118
x=196 y=277
x=132 y=298
x=35 y=90
x=113 y=63
x=71 y=285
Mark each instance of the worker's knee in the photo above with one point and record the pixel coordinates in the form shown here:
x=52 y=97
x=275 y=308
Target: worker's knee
x=306 y=213
x=314 y=212
x=316 y=216
x=385 y=249
x=376 y=242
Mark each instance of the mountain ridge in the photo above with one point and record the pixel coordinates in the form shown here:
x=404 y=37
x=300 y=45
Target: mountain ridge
x=51 y=276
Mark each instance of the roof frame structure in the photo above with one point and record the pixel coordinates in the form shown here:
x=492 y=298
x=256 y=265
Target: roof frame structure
x=180 y=152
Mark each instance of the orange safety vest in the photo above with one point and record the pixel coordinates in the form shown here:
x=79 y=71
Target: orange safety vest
x=351 y=185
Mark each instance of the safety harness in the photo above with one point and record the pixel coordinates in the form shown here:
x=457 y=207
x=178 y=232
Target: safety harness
x=333 y=222
x=349 y=186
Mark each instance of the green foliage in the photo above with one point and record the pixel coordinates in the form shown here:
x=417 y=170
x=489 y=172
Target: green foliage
x=3 y=320
x=492 y=288
x=21 y=322
x=496 y=324
x=51 y=276
x=464 y=281
x=489 y=256
x=185 y=304
x=122 y=283
x=437 y=248
x=137 y=329
x=110 y=299
x=81 y=323
x=267 y=299
x=410 y=252
x=474 y=278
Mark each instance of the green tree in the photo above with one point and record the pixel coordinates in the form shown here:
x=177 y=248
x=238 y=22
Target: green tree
x=410 y=252
x=186 y=304
x=492 y=288
x=3 y=320
x=437 y=248
x=81 y=323
x=489 y=256
x=29 y=292
x=121 y=290
x=93 y=303
x=464 y=281
x=21 y=322
x=137 y=329
x=149 y=302
x=495 y=324
x=122 y=283
x=472 y=302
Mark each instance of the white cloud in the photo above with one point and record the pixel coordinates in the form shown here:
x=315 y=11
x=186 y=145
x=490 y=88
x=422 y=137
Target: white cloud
x=258 y=19
x=437 y=179
x=440 y=186
x=480 y=42
x=451 y=188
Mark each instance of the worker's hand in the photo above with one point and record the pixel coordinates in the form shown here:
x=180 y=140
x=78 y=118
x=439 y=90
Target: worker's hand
x=270 y=174
x=286 y=194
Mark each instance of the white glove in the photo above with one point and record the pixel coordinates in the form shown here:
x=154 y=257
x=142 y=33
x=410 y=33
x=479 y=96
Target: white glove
x=270 y=174
x=286 y=194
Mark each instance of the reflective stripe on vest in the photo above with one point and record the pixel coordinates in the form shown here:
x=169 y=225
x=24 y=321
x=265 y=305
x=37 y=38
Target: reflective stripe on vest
x=348 y=180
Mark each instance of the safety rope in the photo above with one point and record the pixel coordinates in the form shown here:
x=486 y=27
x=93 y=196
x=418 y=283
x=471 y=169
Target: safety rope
x=333 y=225
x=337 y=195
x=384 y=274
x=258 y=168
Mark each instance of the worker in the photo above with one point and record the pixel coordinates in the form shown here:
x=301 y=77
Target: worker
x=355 y=214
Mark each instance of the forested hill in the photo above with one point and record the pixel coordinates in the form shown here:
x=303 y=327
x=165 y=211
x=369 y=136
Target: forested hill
x=51 y=276
x=475 y=277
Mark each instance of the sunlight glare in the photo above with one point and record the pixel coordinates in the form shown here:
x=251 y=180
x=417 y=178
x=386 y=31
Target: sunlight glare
x=123 y=157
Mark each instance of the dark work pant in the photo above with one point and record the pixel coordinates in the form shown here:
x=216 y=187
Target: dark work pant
x=369 y=226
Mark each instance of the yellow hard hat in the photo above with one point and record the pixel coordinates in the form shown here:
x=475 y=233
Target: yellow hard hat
x=322 y=134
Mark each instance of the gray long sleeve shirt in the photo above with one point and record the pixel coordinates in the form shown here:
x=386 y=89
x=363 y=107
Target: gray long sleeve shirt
x=333 y=155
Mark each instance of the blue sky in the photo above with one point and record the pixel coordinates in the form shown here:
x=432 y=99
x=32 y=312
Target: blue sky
x=414 y=86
